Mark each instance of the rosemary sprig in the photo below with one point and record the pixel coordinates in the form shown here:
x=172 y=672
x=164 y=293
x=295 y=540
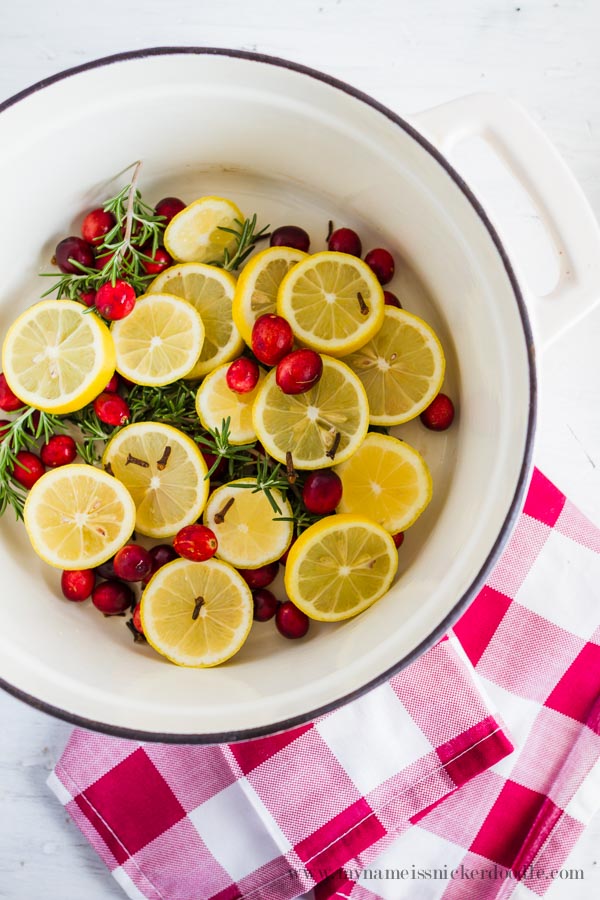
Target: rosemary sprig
x=268 y=478
x=173 y=404
x=217 y=442
x=21 y=434
x=136 y=226
x=246 y=237
x=94 y=434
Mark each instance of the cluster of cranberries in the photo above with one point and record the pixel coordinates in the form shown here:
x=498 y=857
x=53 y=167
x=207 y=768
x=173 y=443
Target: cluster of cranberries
x=113 y=301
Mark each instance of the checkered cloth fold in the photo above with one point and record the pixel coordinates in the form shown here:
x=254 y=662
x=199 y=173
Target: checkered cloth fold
x=403 y=793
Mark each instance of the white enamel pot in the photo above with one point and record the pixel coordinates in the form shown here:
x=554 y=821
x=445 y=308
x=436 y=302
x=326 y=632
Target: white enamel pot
x=296 y=147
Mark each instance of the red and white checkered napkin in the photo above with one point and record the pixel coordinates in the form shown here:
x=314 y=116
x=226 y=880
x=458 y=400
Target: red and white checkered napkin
x=418 y=775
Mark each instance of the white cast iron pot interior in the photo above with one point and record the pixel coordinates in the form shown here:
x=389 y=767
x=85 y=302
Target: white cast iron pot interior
x=294 y=149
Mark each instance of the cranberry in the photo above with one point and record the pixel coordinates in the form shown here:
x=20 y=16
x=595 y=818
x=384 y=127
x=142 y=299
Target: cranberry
x=112 y=597
x=9 y=401
x=132 y=563
x=102 y=261
x=107 y=569
x=113 y=385
x=74 y=248
x=195 y=542
x=290 y=236
x=272 y=339
x=210 y=459
x=169 y=207
x=111 y=409
x=96 y=224
x=291 y=622
x=322 y=492
x=78 y=585
x=345 y=240
x=27 y=468
x=242 y=375
x=391 y=300
x=299 y=371
x=4 y=426
x=137 y=618
x=382 y=263
x=161 y=555
x=115 y=301
x=398 y=538
x=439 y=415
x=88 y=298
x=261 y=577
x=265 y=605
x=58 y=451
x=284 y=557
x=160 y=260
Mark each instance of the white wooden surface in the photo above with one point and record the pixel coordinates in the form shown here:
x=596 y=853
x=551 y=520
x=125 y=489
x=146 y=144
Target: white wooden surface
x=409 y=55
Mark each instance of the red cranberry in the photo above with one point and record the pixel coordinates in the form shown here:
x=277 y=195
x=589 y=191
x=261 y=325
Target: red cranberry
x=96 y=224
x=345 y=240
x=169 y=207
x=78 y=585
x=272 y=339
x=391 y=300
x=291 y=622
x=261 y=577
x=290 y=236
x=27 y=468
x=137 y=618
x=322 y=492
x=195 y=542
x=88 y=298
x=103 y=260
x=210 y=459
x=242 y=375
x=60 y=450
x=160 y=260
x=398 y=538
x=113 y=385
x=132 y=563
x=112 y=597
x=111 y=409
x=439 y=415
x=74 y=248
x=382 y=263
x=265 y=605
x=284 y=557
x=299 y=371
x=9 y=401
x=106 y=570
x=161 y=555
x=115 y=301
x=4 y=426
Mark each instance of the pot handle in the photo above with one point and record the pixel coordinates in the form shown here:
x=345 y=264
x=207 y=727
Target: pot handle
x=533 y=160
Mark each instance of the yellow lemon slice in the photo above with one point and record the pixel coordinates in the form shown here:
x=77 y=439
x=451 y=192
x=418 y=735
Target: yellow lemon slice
x=402 y=368
x=210 y=291
x=216 y=402
x=257 y=287
x=320 y=428
x=386 y=480
x=77 y=516
x=57 y=358
x=196 y=233
x=333 y=302
x=165 y=473
x=197 y=614
x=160 y=341
x=250 y=532
x=340 y=566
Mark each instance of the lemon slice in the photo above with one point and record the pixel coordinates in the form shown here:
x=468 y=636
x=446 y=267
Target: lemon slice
x=321 y=427
x=216 y=402
x=197 y=614
x=56 y=358
x=210 y=291
x=340 y=566
x=256 y=290
x=333 y=302
x=160 y=341
x=77 y=516
x=195 y=234
x=165 y=473
x=402 y=368
x=386 y=480
x=250 y=532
